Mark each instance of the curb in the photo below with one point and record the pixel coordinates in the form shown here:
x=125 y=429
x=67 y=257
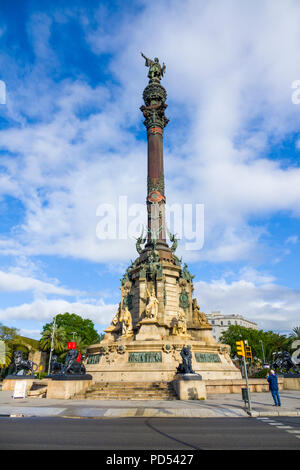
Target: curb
x=255 y=414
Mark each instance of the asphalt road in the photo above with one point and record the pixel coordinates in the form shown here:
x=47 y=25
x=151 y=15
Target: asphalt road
x=151 y=433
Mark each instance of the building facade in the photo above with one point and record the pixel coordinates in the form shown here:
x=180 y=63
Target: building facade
x=220 y=323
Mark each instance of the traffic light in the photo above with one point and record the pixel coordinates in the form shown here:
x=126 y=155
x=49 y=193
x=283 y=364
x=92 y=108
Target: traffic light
x=248 y=353
x=240 y=348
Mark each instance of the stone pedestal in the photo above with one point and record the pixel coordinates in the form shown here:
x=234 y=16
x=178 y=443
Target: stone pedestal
x=10 y=381
x=190 y=387
x=66 y=389
x=148 y=330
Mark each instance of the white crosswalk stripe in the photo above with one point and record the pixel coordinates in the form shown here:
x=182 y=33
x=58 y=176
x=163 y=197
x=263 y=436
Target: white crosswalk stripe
x=282 y=426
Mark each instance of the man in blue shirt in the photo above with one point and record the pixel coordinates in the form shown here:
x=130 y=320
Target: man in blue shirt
x=273 y=386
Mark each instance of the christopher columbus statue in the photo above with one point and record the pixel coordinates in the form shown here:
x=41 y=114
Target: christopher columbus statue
x=156 y=71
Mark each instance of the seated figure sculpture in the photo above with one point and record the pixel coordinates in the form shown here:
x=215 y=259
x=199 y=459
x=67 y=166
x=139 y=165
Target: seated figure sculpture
x=199 y=318
x=126 y=322
x=179 y=328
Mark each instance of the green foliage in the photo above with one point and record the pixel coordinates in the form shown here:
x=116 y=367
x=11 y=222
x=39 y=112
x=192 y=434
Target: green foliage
x=19 y=346
x=15 y=342
x=59 y=339
x=7 y=334
x=33 y=343
x=295 y=335
x=42 y=375
x=72 y=323
x=261 y=374
x=270 y=341
x=80 y=346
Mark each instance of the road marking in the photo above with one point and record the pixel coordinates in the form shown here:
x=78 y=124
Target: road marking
x=279 y=425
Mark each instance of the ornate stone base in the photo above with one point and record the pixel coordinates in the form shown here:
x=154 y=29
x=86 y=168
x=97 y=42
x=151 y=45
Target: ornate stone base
x=149 y=361
x=156 y=318
x=149 y=330
x=190 y=387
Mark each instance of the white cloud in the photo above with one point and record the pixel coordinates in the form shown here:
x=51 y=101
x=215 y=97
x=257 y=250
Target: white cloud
x=43 y=310
x=34 y=334
x=229 y=70
x=293 y=240
x=10 y=282
x=271 y=306
x=252 y=294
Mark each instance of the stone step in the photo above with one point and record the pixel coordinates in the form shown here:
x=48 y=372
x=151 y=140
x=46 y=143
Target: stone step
x=123 y=393
x=99 y=392
x=129 y=391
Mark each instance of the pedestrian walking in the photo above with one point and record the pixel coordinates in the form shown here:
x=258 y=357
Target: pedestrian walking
x=273 y=387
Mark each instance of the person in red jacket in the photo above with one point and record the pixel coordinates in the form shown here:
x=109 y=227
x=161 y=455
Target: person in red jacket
x=273 y=386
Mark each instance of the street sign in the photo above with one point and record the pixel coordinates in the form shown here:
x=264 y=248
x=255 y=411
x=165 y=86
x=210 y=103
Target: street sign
x=71 y=345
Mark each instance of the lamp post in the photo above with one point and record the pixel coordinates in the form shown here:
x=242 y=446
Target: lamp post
x=262 y=347
x=52 y=344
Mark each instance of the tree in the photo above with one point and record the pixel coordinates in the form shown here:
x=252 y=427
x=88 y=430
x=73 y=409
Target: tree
x=75 y=326
x=80 y=346
x=295 y=333
x=259 y=340
x=59 y=339
x=8 y=334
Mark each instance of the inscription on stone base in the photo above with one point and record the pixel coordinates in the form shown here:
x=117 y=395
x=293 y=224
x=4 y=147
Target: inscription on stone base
x=207 y=357
x=145 y=357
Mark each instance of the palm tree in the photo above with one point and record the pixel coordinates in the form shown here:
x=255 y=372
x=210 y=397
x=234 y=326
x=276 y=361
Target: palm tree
x=59 y=339
x=295 y=333
x=80 y=346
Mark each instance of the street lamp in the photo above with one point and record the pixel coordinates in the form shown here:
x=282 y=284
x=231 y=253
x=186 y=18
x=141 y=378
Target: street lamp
x=52 y=344
x=262 y=347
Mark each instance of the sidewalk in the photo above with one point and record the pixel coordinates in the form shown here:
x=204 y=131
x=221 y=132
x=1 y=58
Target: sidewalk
x=216 y=406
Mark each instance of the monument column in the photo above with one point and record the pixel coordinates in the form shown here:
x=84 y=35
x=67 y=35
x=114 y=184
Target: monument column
x=155 y=121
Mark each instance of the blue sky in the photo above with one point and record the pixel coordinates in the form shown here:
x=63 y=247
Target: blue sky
x=72 y=138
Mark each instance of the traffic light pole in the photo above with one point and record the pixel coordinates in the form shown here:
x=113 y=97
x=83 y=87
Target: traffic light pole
x=247 y=385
